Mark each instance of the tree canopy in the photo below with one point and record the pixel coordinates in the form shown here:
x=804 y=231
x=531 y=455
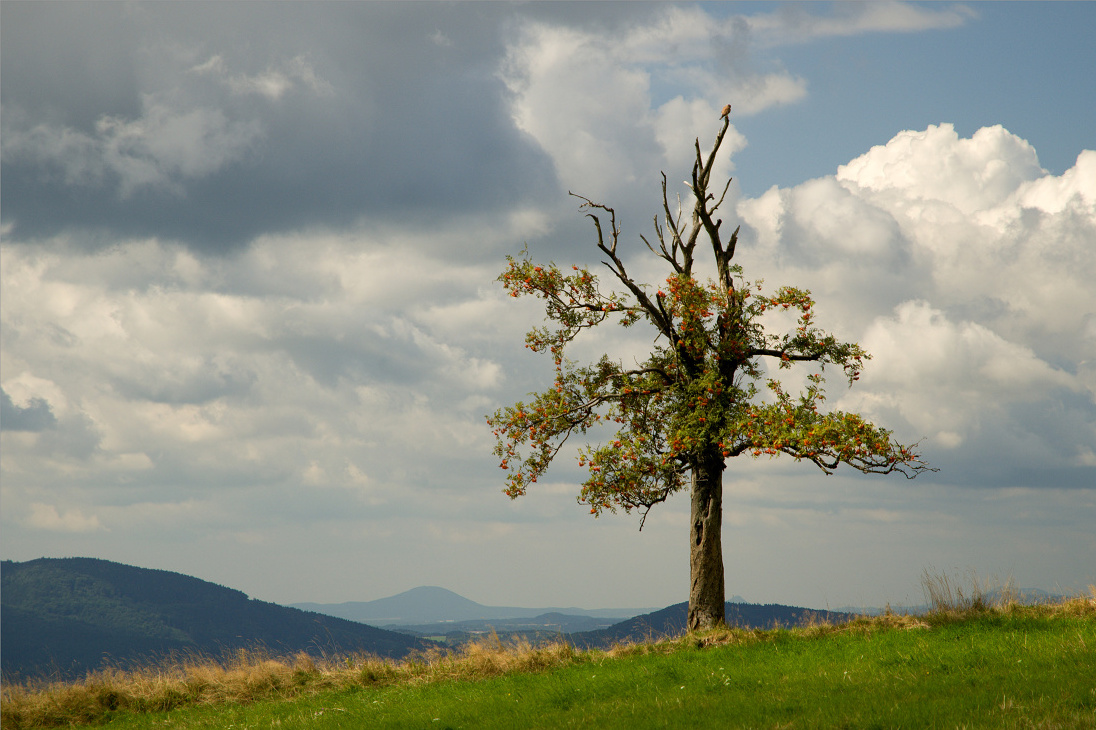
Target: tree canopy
x=702 y=396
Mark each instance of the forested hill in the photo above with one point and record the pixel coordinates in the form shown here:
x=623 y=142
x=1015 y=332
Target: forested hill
x=63 y=617
x=670 y=621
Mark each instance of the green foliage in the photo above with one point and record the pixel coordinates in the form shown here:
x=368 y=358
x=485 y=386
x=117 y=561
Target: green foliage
x=698 y=394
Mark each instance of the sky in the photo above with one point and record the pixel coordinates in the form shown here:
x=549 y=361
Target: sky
x=250 y=326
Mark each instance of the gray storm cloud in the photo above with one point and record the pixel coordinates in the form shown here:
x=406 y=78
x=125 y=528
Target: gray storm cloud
x=35 y=416
x=359 y=114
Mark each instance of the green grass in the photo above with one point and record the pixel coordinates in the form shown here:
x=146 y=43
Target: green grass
x=1013 y=667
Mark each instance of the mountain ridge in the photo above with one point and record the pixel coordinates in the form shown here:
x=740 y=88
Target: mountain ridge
x=433 y=604
x=64 y=617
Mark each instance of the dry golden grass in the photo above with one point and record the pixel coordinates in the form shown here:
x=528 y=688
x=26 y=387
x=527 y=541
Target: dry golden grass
x=245 y=676
x=249 y=676
x=949 y=600
x=947 y=594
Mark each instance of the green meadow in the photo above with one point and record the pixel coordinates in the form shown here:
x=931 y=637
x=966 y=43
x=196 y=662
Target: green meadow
x=1008 y=666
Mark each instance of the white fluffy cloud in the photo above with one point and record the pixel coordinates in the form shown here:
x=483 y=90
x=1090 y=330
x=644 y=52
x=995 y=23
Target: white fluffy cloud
x=986 y=263
x=937 y=167
x=592 y=98
x=321 y=363
x=365 y=363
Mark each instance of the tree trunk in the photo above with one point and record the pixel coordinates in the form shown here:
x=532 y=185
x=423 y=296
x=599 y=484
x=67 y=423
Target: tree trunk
x=706 y=591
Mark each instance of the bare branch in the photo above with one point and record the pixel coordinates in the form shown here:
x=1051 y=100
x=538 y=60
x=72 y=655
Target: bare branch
x=672 y=224
x=783 y=354
x=657 y=314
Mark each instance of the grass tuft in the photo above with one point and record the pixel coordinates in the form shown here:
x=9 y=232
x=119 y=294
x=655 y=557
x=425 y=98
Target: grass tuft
x=946 y=594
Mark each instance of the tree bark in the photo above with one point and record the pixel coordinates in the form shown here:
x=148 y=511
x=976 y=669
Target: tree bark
x=706 y=590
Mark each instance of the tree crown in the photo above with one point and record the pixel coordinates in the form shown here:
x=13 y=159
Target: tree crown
x=696 y=394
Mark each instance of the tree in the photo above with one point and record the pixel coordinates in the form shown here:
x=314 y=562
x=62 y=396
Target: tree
x=694 y=402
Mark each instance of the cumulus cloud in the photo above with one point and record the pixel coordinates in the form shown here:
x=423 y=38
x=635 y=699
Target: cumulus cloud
x=935 y=166
x=593 y=99
x=984 y=260
x=335 y=365
x=350 y=373
x=292 y=136
x=1007 y=242
x=1074 y=188
x=599 y=101
x=965 y=387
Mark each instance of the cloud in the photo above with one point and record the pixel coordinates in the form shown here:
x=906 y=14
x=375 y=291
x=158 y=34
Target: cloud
x=937 y=167
x=162 y=149
x=593 y=99
x=48 y=517
x=984 y=261
x=345 y=376
x=318 y=363
x=965 y=387
x=273 y=82
x=1074 y=188
x=793 y=23
x=35 y=416
x=316 y=129
x=1008 y=244
x=271 y=132
x=248 y=307
x=614 y=106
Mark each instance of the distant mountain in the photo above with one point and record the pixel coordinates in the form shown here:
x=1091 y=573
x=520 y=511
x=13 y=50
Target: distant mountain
x=430 y=604
x=670 y=621
x=545 y=623
x=64 y=617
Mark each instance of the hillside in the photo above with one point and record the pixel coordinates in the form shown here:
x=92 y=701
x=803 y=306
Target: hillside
x=63 y=617
x=1006 y=666
x=670 y=621
x=590 y=632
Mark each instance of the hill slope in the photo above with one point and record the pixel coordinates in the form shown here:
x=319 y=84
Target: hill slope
x=65 y=616
x=670 y=621
x=1010 y=666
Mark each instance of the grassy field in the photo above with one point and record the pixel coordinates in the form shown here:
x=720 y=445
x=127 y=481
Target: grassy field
x=974 y=666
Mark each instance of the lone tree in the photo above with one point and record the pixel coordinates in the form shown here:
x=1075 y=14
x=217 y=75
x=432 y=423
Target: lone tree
x=694 y=402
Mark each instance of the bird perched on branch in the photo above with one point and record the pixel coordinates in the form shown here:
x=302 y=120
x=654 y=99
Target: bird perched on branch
x=726 y=111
